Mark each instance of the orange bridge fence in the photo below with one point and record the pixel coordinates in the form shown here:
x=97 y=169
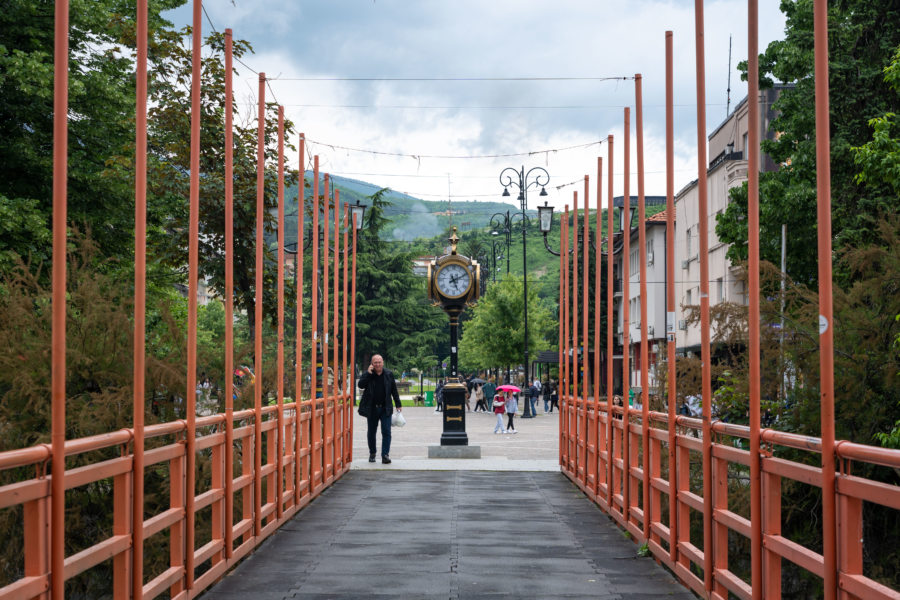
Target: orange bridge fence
x=681 y=485
x=246 y=471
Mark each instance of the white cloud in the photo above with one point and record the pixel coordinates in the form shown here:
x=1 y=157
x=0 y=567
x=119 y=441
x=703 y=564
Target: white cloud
x=500 y=38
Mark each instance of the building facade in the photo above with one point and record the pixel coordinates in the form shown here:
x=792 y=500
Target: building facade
x=727 y=169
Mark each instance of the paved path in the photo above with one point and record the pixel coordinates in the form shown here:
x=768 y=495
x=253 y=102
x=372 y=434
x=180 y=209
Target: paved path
x=449 y=535
x=534 y=448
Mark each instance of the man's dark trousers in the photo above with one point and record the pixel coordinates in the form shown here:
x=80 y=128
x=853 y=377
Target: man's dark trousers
x=379 y=414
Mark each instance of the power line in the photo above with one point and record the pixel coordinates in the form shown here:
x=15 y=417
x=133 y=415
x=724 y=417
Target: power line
x=453 y=156
x=454 y=79
x=486 y=107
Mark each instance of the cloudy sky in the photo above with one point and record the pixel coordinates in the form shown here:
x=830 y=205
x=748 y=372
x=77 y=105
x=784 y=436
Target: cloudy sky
x=425 y=79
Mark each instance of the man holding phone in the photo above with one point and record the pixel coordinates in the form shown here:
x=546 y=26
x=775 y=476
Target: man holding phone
x=379 y=388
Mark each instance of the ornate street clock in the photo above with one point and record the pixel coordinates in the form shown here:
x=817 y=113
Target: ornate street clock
x=454 y=282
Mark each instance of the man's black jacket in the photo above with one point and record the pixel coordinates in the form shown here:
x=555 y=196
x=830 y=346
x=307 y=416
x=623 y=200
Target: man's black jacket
x=367 y=401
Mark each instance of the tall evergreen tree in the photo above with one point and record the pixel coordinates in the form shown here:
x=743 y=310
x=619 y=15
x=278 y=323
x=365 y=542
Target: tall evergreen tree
x=394 y=318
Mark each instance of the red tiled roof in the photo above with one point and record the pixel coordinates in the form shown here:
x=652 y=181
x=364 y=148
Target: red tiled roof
x=658 y=217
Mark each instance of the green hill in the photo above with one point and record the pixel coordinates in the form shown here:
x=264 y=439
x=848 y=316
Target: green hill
x=412 y=218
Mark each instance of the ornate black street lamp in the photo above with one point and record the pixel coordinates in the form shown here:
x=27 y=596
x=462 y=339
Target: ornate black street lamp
x=536 y=177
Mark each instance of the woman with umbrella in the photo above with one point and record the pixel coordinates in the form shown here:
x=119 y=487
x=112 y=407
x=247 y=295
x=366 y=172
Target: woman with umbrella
x=512 y=405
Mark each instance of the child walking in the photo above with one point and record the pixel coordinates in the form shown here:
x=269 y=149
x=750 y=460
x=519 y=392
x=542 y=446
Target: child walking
x=499 y=405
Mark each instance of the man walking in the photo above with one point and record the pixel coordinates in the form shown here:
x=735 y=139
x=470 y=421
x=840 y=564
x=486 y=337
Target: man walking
x=379 y=388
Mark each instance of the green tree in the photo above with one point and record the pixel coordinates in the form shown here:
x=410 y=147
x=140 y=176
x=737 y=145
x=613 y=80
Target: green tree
x=100 y=125
x=394 y=318
x=862 y=37
x=879 y=158
x=170 y=172
x=495 y=334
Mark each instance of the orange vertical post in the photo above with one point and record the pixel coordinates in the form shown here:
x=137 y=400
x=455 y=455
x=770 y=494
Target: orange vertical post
x=279 y=385
x=645 y=357
x=140 y=302
x=586 y=256
x=314 y=425
x=626 y=323
x=753 y=315
x=298 y=349
x=58 y=329
x=336 y=417
x=353 y=331
x=576 y=366
x=670 y=296
x=193 y=269
x=258 y=300
x=345 y=345
x=229 y=294
x=574 y=404
x=826 y=309
x=706 y=385
x=326 y=376
x=598 y=265
x=561 y=378
x=610 y=350
x=565 y=381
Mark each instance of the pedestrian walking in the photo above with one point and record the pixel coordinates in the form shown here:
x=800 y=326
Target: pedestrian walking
x=512 y=405
x=499 y=404
x=533 y=392
x=554 y=395
x=479 y=398
x=439 y=396
x=545 y=390
x=379 y=388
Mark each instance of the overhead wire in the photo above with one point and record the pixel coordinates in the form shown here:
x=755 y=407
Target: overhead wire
x=453 y=156
x=454 y=79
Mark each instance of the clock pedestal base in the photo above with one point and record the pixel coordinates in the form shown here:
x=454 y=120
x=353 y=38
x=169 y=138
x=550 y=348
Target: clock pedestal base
x=454 y=400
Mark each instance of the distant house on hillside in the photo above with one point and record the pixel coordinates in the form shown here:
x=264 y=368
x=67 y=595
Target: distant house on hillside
x=420 y=265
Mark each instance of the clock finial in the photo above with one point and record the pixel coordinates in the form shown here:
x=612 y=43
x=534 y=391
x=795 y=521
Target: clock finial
x=454 y=239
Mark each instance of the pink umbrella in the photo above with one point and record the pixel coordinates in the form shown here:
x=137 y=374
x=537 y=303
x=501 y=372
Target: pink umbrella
x=508 y=388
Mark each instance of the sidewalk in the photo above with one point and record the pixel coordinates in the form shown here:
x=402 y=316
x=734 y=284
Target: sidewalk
x=534 y=448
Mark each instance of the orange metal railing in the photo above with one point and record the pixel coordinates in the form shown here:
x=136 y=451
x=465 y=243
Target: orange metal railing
x=289 y=452
x=637 y=465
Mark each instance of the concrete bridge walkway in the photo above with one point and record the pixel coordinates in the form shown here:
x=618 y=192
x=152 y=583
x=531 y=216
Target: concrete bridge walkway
x=448 y=535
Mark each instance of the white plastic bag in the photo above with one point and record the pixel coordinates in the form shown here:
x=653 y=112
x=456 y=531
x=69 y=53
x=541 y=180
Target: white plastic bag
x=398 y=420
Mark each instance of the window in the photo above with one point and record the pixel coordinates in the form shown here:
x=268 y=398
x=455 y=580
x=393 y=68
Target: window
x=720 y=290
x=687 y=298
x=687 y=244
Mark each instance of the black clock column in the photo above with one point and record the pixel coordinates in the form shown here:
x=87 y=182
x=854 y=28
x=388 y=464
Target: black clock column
x=454 y=338
x=454 y=393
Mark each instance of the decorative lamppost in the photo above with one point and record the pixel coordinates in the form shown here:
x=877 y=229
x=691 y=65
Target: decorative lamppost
x=497 y=254
x=523 y=181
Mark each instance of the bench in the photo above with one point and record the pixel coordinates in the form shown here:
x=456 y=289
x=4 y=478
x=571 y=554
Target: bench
x=403 y=387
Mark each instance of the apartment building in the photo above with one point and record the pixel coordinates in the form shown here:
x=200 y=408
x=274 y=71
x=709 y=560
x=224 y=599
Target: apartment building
x=727 y=169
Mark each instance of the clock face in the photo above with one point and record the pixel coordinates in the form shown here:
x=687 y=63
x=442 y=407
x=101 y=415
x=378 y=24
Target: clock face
x=453 y=280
